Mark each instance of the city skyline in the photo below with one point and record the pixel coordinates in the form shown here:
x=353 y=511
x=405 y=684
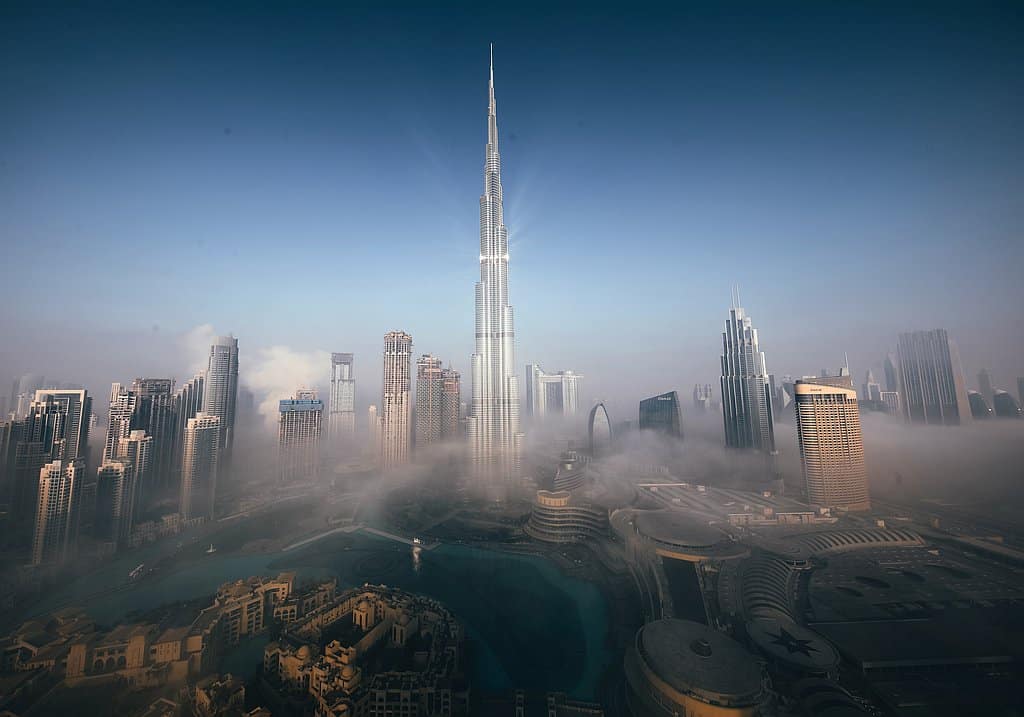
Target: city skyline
x=549 y=230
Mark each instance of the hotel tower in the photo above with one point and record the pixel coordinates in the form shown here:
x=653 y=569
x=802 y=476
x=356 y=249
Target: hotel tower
x=493 y=426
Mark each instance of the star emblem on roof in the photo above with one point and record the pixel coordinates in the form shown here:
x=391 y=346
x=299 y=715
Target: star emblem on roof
x=792 y=644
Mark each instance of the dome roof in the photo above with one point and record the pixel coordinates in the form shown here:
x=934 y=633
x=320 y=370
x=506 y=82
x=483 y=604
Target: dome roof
x=797 y=646
x=696 y=659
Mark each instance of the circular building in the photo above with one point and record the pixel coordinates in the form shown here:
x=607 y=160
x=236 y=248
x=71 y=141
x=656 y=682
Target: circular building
x=565 y=517
x=792 y=651
x=678 y=667
x=675 y=534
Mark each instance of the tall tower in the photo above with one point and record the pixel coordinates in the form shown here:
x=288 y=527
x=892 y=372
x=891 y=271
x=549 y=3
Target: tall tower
x=451 y=403
x=341 y=424
x=493 y=424
x=985 y=385
x=831 y=447
x=188 y=402
x=200 y=458
x=155 y=415
x=396 y=399
x=115 y=501
x=746 y=393
x=299 y=429
x=555 y=394
x=120 y=418
x=57 y=511
x=221 y=391
x=931 y=379
x=428 y=400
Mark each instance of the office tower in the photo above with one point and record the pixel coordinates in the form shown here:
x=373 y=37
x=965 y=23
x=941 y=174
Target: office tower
x=1005 y=406
x=428 y=400
x=979 y=407
x=154 y=412
x=931 y=380
x=891 y=402
x=200 y=459
x=831 y=447
x=599 y=430
x=891 y=367
x=57 y=511
x=662 y=414
x=493 y=424
x=746 y=396
x=221 y=390
x=187 y=403
x=341 y=424
x=115 y=501
x=298 y=436
x=783 y=399
x=702 y=397
x=396 y=399
x=23 y=392
x=871 y=390
x=119 y=419
x=551 y=394
x=451 y=404
x=985 y=385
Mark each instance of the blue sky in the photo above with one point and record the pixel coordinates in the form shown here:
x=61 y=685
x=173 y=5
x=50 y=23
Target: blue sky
x=309 y=177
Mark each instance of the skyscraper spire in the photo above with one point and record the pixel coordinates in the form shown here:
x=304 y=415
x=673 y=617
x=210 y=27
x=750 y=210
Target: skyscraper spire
x=494 y=417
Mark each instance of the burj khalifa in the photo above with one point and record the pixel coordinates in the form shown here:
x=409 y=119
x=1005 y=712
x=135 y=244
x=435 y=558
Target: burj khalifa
x=493 y=426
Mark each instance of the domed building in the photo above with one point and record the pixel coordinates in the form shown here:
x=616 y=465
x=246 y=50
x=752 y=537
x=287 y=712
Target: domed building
x=792 y=651
x=678 y=667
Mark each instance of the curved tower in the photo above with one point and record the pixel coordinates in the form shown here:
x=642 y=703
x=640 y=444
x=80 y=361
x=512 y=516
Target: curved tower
x=493 y=425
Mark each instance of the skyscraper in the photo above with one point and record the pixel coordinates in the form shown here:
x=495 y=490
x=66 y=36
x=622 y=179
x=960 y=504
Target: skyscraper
x=120 y=418
x=200 y=459
x=115 y=501
x=493 y=425
x=451 y=404
x=75 y=407
x=221 y=390
x=299 y=427
x=373 y=430
x=554 y=394
x=662 y=414
x=396 y=399
x=428 y=400
x=137 y=450
x=831 y=447
x=155 y=415
x=985 y=385
x=1005 y=406
x=57 y=511
x=979 y=407
x=341 y=424
x=702 y=397
x=891 y=367
x=931 y=380
x=187 y=403
x=746 y=396
x=1020 y=388
x=871 y=390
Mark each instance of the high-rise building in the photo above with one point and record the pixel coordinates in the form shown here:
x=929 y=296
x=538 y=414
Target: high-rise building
x=396 y=399
x=931 y=380
x=200 y=459
x=187 y=403
x=221 y=390
x=428 y=400
x=551 y=394
x=746 y=395
x=892 y=372
x=451 y=404
x=373 y=430
x=985 y=385
x=23 y=392
x=662 y=414
x=702 y=397
x=831 y=446
x=138 y=451
x=1005 y=406
x=115 y=501
x=75 y=408
x=871 y=390
x=155 y=415
x=57 y=511
x=599 y=430
x=341 y=423
x=891 y=402
x=1020 y=389
x=299 y=427
x=493 y=423
x=120 y=418
x=979 y=407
